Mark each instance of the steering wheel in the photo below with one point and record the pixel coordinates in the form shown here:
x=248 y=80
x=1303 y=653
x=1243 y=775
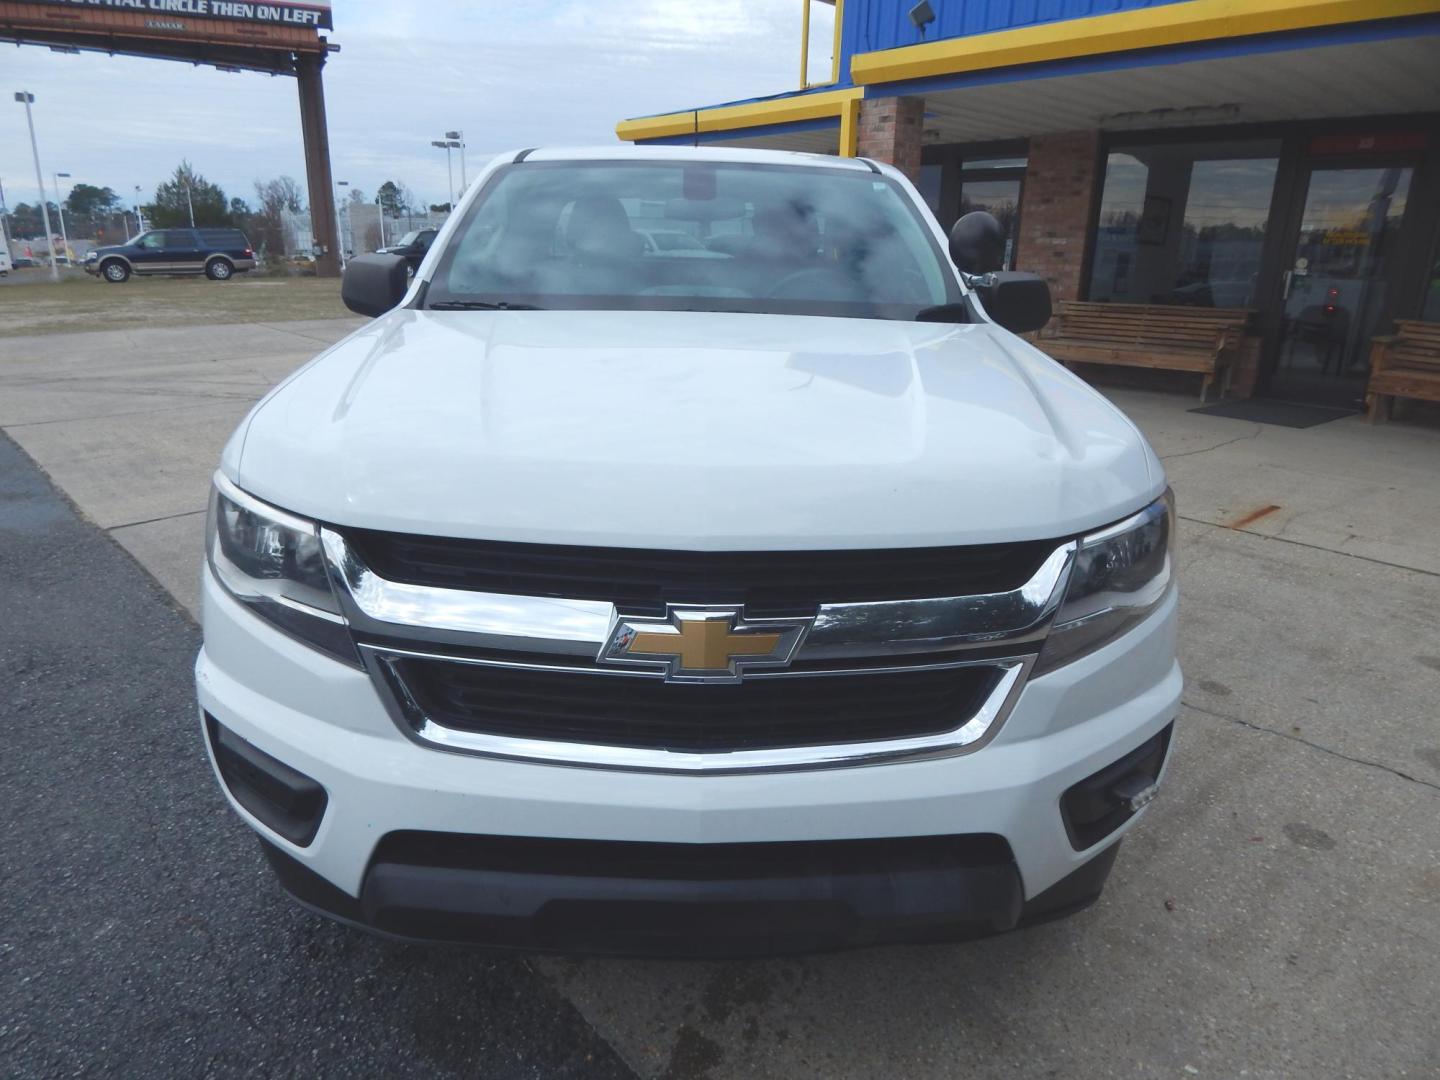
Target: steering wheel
x=821 y=276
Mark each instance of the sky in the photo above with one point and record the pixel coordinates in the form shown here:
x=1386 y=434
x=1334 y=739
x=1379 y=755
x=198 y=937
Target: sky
x=509 y=75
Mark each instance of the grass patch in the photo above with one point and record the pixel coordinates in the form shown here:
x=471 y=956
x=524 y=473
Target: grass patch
x=36 y=305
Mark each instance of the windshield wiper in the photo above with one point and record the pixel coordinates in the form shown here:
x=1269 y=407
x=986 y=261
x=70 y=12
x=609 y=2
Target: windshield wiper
x=948 y=313
x=480 y=305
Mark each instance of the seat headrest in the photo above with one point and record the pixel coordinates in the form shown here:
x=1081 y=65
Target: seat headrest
x=599 y=226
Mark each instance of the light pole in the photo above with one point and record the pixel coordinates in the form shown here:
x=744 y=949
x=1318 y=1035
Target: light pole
x=459 y=140
x=339 y=224
x=189 y=202
x=139 y=218
x=28 y=99
x=446 y=144
x=60 y=207
x=4 y=235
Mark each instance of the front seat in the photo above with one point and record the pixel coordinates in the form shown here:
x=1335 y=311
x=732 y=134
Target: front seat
x=599 y=228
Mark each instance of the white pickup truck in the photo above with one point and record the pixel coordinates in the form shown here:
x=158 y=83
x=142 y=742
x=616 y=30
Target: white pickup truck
x=594 y=598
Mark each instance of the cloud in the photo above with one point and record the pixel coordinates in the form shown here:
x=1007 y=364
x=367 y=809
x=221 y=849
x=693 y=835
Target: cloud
x=508 y=75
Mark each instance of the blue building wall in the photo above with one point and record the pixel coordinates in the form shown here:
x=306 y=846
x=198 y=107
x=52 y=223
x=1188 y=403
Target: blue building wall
x=871 y=25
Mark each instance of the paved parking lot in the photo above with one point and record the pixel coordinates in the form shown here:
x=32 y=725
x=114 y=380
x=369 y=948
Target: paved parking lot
x=1277 y=915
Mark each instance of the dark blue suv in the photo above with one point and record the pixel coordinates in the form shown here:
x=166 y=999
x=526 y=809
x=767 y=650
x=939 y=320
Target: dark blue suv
x=219 y=254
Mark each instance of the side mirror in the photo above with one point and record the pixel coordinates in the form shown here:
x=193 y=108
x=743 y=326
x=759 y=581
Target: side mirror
x=1018 y=301
x=977 y=243
x=373 y=284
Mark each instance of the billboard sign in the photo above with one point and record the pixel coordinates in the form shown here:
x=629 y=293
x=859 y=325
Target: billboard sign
x=314 y=14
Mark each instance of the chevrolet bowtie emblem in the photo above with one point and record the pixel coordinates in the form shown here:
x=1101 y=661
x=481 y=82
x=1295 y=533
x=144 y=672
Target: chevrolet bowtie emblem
x=703 y=644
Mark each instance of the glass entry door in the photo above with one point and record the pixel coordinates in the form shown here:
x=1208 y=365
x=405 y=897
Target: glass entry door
x=1337 y=280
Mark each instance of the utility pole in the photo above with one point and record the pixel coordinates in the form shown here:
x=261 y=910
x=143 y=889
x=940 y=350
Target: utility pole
x=28 y=99
x=60 y=208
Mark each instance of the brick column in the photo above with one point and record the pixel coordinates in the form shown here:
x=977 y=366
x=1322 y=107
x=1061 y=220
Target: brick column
x=890 y=131
x=1060 y=183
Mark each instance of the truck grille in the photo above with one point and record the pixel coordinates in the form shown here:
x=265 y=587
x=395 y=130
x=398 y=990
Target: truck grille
x=648 y=713
x=641 y=581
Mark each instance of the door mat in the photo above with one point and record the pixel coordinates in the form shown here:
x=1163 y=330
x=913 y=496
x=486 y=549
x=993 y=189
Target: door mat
x=1269 y=411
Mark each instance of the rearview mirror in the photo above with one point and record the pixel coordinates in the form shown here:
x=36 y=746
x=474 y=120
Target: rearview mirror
x=1018 y=301
x=977 y=243
x=373 y=284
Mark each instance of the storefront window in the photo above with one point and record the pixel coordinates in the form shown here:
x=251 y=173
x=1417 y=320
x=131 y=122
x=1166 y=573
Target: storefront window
x=1001 y=198
x=1430 y=311
x=929 y=185
x=955 y=180
x=980 y=164
x=1184 y=224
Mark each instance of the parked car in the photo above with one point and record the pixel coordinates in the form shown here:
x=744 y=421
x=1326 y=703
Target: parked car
x=23 y=262
x=219 y=254
x=590 y=601
x=674 y=244
x=412 y=247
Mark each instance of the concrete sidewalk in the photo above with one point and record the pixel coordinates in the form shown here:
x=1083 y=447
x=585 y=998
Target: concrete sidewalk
x=130 y=423
x=1278 y=914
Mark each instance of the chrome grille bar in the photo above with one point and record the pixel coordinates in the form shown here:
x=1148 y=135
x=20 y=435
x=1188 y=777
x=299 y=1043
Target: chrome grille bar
x=396 y=620
x=547 y=625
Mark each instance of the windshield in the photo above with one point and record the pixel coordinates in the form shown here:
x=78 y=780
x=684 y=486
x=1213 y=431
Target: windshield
x=780 y=239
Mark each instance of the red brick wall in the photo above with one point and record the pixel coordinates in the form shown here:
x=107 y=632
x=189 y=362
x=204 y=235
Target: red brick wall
x=890 y=131
x=1060 y=183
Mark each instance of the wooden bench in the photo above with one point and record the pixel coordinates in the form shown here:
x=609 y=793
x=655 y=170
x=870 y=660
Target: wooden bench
x=1169 y=337
x=1403 y=364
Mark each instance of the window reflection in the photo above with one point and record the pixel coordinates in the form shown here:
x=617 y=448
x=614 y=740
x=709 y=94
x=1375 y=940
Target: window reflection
x=929 y=185
x=694 y=237
x=973 y=164
x=955 y=180
x=1339 y=277
x=1184 y=224
x=998 y=197
x=1430 y=310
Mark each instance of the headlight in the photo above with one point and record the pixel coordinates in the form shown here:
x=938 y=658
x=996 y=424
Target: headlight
x=272 y=563
x=1120 y=575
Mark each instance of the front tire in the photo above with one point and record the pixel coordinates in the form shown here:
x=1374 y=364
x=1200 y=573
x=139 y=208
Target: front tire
x=115 y=272
x=219 y=270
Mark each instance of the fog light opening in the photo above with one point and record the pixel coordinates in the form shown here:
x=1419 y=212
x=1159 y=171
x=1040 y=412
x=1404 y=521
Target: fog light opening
x=282 y=799
x=1102 y=802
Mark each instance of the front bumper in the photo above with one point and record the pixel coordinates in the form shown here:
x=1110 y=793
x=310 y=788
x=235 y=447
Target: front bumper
x=327 y=722
x=668 y=902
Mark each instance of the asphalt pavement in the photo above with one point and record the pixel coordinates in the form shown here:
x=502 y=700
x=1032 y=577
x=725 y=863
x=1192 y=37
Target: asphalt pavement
x=140 y=933
x=1277 y=913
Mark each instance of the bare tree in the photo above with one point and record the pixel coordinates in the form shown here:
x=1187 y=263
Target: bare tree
x=276 y=197
x=279 y=194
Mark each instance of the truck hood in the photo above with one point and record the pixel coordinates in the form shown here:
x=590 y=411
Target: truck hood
x=693 y=431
